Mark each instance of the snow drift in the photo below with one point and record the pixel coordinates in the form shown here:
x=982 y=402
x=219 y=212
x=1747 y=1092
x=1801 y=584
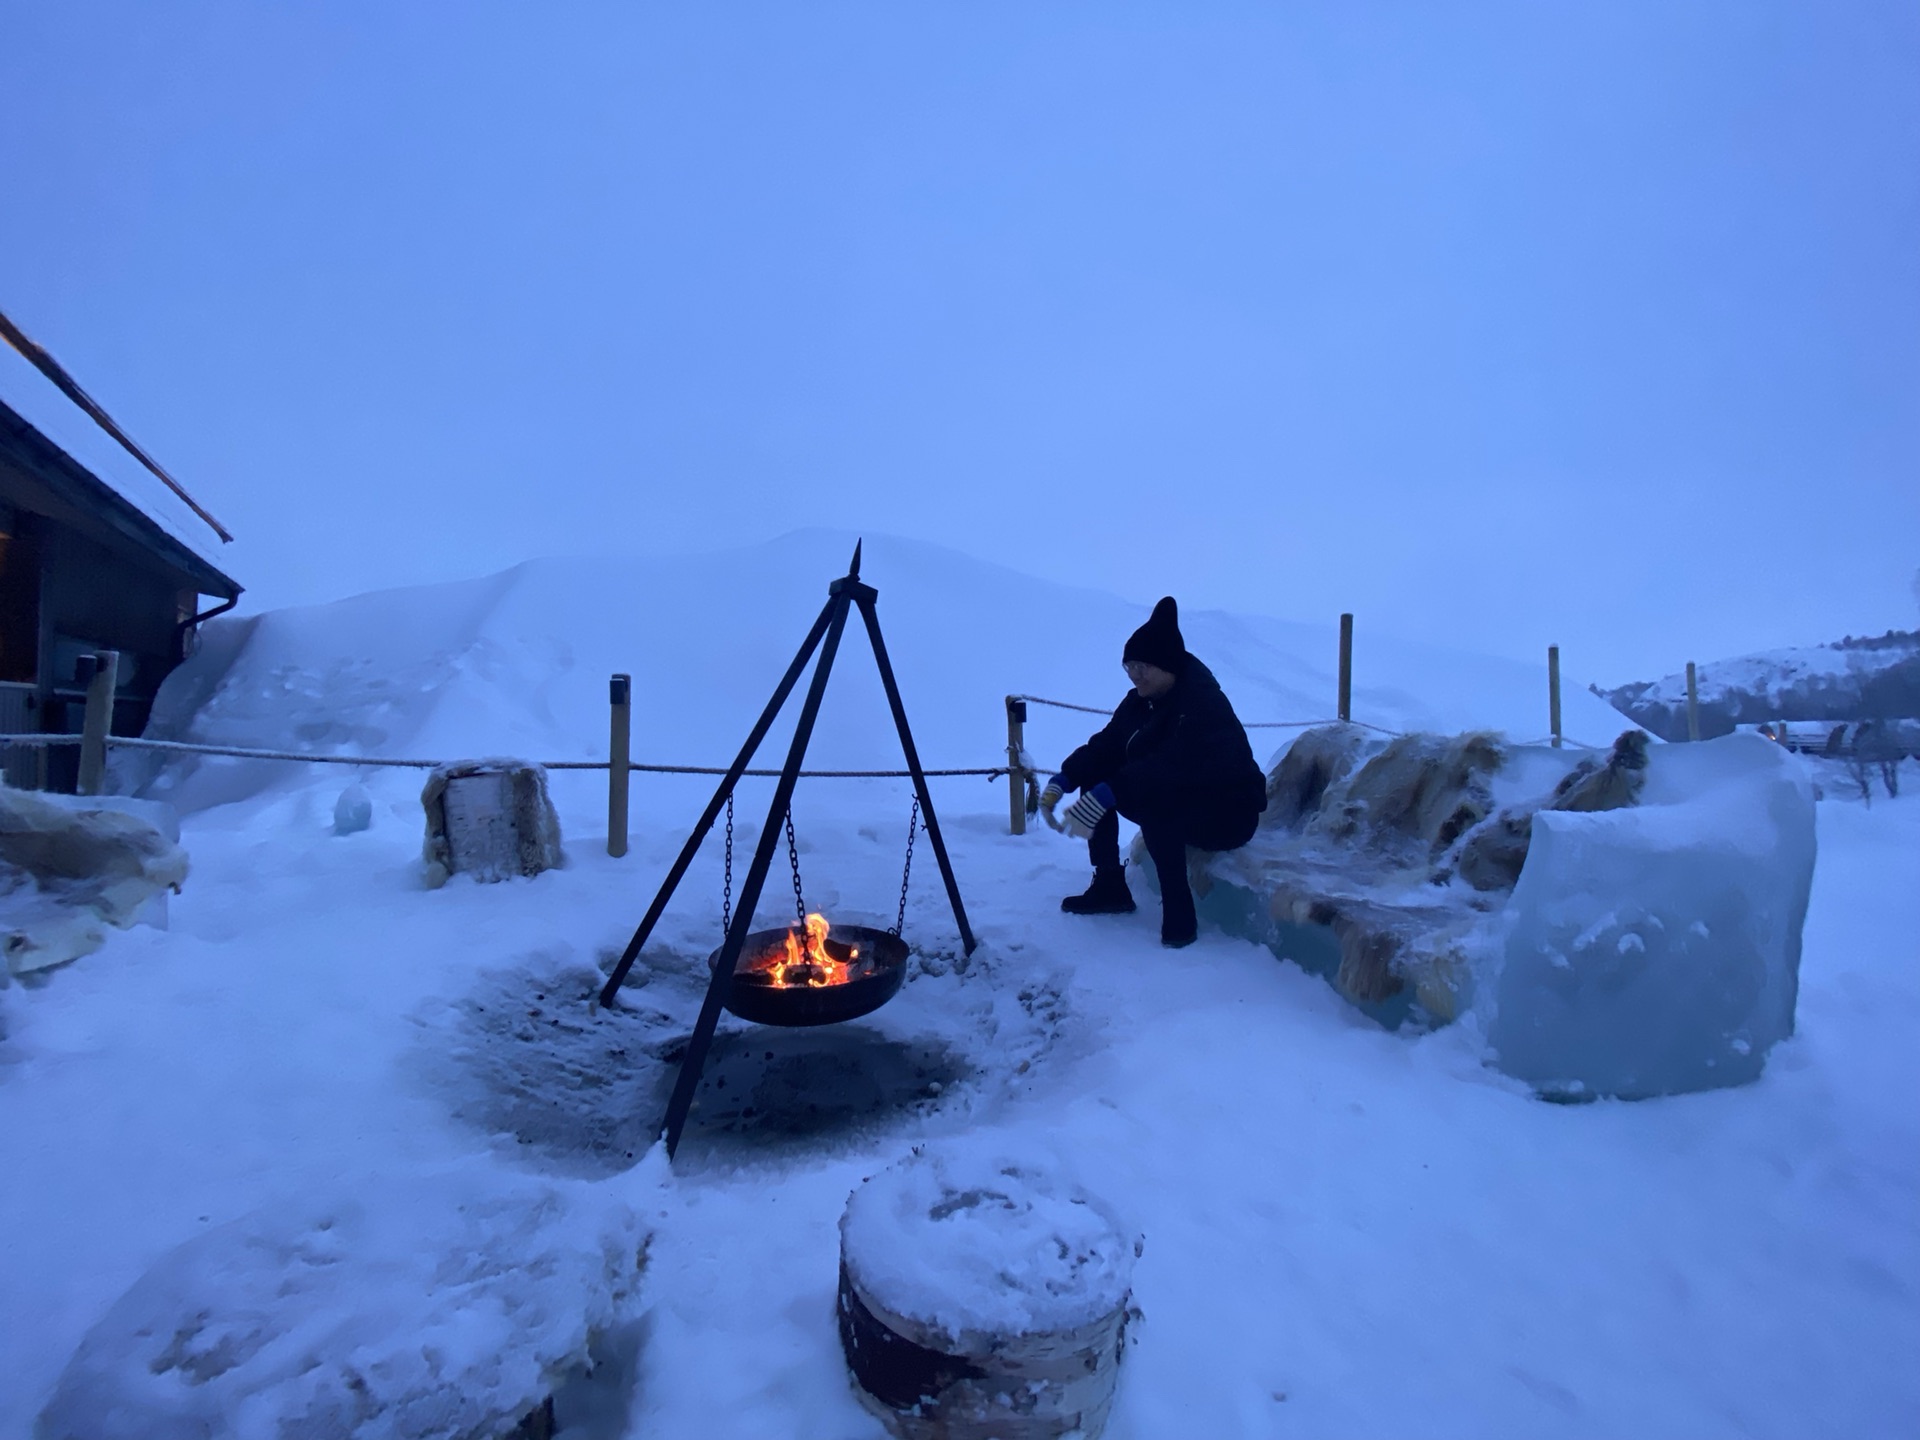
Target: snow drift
x=400 y=1312
x=517 y=664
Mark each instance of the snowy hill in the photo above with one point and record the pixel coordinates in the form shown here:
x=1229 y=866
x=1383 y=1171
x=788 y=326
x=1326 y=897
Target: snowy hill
x=1870 y=678
x=517 y=663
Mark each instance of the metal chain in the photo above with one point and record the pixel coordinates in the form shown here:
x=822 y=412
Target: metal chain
x=793 y=854
x=726 y=895
x=906 y=875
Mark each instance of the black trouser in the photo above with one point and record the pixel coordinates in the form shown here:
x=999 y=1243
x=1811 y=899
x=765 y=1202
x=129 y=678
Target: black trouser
x=1168 y=830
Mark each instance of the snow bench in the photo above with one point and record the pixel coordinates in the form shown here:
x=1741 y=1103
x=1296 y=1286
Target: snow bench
x=1623 y=925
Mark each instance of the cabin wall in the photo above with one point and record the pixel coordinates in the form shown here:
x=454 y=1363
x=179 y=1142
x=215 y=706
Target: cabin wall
x=82 y=569
x=92 y=599
x=19 y=598
x=19 y=642
x=66 y=596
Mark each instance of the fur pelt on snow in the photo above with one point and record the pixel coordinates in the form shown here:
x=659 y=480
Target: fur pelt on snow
x=1362 y=839
x=518 y=833
x=1491 y=857
x=1317 y=760
x=1424 y=789
x=68 y=870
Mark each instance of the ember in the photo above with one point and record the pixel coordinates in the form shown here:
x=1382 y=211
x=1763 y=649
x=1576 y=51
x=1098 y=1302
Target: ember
x=814 y=961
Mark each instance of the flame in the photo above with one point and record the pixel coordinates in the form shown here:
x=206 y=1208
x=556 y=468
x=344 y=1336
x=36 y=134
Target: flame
x=806 y=962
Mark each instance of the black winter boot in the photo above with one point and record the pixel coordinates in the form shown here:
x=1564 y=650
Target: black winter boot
x=1108 y=895
x=1179 y=926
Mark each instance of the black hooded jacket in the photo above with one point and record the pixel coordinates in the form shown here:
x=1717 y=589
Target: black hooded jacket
x=1185 y=752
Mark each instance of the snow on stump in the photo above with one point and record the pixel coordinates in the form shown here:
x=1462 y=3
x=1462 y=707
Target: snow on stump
x=983 y=1300
x=491 y=819
x=428 y=1309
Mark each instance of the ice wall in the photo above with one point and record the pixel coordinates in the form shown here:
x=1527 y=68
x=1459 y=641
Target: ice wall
x=1656 y=950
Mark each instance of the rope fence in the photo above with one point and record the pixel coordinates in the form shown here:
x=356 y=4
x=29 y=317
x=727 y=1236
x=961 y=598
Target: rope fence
x=236 y=752
x=301 y=757
x=1564 y=742
x=1244 y=725
x=1020 y=770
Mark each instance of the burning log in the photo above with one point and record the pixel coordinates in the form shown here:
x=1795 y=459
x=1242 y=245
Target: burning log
x=817 y=975
x=983 y=1299
x=805 y=961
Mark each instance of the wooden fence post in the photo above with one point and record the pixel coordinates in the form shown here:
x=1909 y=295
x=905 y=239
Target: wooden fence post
x=98 y=721
x=1016 y=775
x=1553 y=693
x=1346 y=667
x=1693 y=703
x=619 y=756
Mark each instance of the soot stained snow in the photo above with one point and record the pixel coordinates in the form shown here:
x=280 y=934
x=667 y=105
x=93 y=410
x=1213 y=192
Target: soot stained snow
x=529 y=1056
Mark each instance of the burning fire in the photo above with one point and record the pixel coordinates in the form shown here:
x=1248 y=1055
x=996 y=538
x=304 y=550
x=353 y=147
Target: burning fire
x=806 y=962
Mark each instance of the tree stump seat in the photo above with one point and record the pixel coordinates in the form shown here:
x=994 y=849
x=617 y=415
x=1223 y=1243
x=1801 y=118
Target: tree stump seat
x=983 y=1299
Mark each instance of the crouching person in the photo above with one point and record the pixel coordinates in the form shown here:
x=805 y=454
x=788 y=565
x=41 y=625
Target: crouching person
x=1175 y=761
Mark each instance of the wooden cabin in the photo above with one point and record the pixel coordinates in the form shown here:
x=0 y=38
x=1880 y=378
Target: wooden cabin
x=83 y=568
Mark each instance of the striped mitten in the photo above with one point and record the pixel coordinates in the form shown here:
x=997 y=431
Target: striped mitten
x=1088 y=811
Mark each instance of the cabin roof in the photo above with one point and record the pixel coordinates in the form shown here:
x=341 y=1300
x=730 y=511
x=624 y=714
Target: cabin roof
x=91 y=480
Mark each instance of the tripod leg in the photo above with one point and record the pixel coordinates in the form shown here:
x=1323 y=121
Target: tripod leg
x=692 y=847
x=722 y=980
x=868 y=614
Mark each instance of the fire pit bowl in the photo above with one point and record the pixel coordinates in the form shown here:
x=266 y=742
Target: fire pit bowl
x=874 y=961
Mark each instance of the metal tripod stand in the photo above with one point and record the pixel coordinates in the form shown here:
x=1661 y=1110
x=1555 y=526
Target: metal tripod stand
x=842 y=596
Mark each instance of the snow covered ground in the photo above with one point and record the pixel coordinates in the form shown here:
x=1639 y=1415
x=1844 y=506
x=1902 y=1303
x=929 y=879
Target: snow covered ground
x=1348 y=1232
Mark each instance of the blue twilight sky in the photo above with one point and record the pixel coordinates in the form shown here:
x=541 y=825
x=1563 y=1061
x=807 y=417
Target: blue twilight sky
x=1498 y=324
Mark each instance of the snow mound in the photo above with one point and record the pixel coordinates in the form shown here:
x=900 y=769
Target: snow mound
x=979 y=1246
x=1656 y=949
x=517 y=663
x=436 y=1308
